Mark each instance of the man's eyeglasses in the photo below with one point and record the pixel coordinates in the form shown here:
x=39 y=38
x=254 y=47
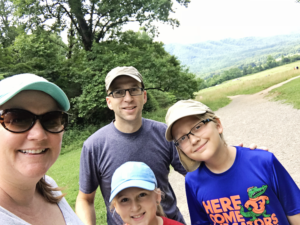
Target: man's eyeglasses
x=196 y=130
x=20 y=120
x=121 y=93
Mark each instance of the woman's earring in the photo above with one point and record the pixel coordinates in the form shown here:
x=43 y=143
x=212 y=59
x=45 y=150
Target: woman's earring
x=113 y=213
x=157 y=202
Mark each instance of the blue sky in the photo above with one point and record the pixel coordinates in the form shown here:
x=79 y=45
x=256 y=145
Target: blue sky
x=218 y=19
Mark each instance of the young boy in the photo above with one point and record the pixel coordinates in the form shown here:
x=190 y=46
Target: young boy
x=232 y=185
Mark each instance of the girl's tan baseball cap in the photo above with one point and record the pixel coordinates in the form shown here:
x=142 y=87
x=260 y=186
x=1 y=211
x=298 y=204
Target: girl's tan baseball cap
x=179 y=110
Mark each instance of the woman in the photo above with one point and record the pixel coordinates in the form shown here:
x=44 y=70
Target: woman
x=33 y=119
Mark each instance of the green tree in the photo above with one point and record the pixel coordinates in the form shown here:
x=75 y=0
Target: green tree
x=250 y=69
x=285 y=60
x=245 y=72
x=96 y=20
x=40 y=53
x=7 y=23
x=160 y=70
x=270 y=62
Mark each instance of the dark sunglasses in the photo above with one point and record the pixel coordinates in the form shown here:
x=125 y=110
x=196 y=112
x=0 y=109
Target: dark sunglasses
x=20 y=120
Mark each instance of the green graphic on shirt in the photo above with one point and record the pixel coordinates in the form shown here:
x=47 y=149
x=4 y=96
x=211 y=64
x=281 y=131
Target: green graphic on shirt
x=256 y=204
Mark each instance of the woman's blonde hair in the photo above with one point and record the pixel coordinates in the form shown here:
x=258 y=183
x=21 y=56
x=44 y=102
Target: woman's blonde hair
x=159 y=209
x=47 y=191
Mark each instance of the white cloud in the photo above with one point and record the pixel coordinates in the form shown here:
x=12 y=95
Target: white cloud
x=218 y=19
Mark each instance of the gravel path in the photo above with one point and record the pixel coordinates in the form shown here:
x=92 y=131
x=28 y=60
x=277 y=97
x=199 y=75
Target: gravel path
x=254 y=119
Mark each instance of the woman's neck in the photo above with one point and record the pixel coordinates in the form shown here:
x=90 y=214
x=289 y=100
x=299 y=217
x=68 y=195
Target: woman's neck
x=17 y=193
x=222 y=160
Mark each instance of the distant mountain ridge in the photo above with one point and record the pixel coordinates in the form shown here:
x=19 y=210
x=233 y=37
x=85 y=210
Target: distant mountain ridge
x=211 y=56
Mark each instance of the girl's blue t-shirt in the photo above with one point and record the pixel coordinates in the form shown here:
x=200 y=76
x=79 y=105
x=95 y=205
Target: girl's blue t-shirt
x=255 y=190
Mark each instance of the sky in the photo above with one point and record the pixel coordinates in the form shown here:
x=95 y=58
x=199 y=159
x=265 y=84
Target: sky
x=218 y=19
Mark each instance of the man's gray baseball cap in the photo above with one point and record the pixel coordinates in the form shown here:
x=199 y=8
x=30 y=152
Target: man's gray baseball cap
x=11 y=86
x=122 y=71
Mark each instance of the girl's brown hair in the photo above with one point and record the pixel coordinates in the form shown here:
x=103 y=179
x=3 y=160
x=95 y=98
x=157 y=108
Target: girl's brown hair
x=47 y=191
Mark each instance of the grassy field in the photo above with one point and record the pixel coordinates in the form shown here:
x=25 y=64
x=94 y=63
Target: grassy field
x=65 y=172
x=288 y=93
x=216 y=97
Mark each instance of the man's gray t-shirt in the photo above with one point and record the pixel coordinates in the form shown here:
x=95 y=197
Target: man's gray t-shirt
x=108 y=148
x=8 y=218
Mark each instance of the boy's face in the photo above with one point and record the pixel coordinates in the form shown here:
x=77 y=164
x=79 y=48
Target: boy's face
x=128 y=108
x=137 y=206
x=202 y=147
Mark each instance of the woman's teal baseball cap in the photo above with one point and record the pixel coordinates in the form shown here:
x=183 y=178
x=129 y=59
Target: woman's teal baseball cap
x=11 y=86
x=132 y=174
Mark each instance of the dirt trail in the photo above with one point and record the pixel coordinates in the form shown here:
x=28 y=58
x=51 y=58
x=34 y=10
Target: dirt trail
x=254 y=119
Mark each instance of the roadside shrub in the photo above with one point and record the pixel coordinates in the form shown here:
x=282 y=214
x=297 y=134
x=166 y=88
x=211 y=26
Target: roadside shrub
x=164 y=99
x=151 y=104
x=75 y=136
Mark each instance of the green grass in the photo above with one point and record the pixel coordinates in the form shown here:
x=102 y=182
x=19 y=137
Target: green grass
x=288 y=93
x=65 y=170
x=216 y=97
x=158 y=115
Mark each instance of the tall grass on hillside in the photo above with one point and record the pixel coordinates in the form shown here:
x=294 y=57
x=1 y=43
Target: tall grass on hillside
x=216 y=97
x=288 y=93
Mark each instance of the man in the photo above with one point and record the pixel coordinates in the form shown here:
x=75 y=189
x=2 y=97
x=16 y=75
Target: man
x=128 y=138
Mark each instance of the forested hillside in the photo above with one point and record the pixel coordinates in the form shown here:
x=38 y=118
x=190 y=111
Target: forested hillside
x=212 y=56
x=31 y=42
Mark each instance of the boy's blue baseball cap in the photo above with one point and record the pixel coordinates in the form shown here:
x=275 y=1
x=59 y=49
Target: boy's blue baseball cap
x=11 y=86
x=132 y=174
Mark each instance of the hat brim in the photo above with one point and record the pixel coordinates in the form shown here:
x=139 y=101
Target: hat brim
x=132 y=183
x=132 y=76
x=168 y=134
x=49 y=88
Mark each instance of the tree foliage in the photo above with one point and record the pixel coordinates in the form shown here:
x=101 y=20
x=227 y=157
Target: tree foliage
x=41 y=53
x=8 y=23
x=31 y=42
x=160 y=71
x=238 y=72
x=206 y=58
x=96 y=20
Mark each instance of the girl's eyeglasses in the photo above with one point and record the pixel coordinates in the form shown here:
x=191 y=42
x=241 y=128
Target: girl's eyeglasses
x=20 y=120
x=196 y=130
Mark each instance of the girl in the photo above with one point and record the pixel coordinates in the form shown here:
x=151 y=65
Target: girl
x=135 y=196
x=231 y=185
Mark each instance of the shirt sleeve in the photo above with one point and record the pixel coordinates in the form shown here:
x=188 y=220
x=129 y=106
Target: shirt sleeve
x=88 y=179
x=197 y=214
x=176 y=164
x=287 y=191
